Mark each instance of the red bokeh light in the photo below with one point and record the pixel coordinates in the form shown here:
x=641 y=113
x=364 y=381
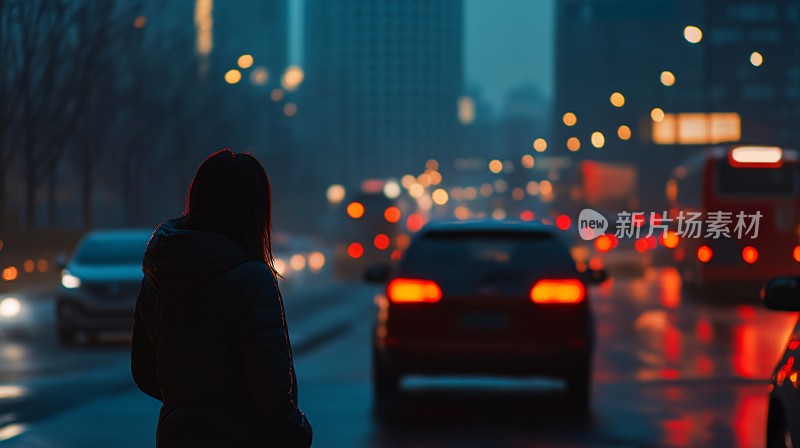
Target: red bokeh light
x=381 y=241
x=563 y=222
x=355 y=250
x=415 y=222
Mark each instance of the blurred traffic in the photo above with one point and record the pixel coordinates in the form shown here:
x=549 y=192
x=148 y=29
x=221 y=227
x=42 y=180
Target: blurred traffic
x=551 y=223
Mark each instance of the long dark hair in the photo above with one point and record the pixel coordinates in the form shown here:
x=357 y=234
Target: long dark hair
x=230 y=193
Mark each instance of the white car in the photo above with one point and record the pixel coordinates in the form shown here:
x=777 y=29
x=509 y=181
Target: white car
x=99 y=284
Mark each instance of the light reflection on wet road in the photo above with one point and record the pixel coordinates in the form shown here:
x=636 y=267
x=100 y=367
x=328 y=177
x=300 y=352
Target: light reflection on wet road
x=670 y=370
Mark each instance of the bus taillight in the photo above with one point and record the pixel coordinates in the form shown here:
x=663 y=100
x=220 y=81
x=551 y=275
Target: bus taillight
x=749 y=255
x=704 y=254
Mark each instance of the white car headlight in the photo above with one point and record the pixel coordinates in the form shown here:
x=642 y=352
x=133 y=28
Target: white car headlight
x=10 y=307
x=70 y=281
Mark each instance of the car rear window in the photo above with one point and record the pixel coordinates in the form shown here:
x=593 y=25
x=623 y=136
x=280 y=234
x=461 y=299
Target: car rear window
x=470 y=258
x=111 y=251
x=756 y=181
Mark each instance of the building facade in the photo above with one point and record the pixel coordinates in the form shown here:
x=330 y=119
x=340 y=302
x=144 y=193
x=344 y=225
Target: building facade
x=381 y=89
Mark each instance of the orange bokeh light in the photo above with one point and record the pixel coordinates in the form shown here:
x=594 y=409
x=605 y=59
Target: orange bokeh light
x=392 y=214
x=10 y=273
x=603 y=243
x=749 y=255
x=355 y=210
x=670 y=239
x=704 y=254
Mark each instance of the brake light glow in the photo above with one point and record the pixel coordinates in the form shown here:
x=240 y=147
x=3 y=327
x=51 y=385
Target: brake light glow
x=558 y=291
x=749 y=255
x=796 y=253
x=408 y=290
x=563 y=222
x=670 y=239
x=704 y=254
x=756 y=155
x=603 y=243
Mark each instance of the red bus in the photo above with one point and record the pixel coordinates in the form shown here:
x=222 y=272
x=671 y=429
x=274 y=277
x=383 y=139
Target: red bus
x=743 y=184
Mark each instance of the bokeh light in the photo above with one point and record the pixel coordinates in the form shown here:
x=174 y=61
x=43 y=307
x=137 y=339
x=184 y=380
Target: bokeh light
x=573 y=144
x=335 y=193
x=233 y=76
x=540 y=144
x=667 y=78
x=624 y=132
x=756 y=59
x=245 y=61
x=693 y=34
x=598 y=139
x=355 y=210
x=617 y=99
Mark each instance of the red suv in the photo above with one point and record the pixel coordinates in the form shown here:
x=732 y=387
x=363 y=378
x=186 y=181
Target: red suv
x=491 y=298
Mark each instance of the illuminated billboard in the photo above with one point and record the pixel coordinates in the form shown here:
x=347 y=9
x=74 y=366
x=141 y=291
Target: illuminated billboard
x=697 y=129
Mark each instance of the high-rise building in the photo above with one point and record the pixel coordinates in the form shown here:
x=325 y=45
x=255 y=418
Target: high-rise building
x=382 y=85
x=752 y=60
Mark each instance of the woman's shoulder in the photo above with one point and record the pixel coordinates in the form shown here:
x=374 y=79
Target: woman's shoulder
x=254 y=281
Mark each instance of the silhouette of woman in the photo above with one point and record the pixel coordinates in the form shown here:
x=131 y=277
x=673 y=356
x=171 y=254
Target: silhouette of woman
x=210 y=339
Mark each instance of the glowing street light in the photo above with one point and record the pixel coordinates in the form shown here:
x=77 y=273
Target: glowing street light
x=245 y=61
x=292 y=78
x=756 y=59
x=335 y=193
x=598 y=139
x=657 y=114
x=667 y=78
x=540 y=144
x=617 y=99
x=573 y=144
x=569 y=119
x=624 y=132
x=693 y=34
x=233 y=76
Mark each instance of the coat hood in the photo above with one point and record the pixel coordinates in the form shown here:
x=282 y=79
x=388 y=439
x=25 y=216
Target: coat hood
x=177 y=260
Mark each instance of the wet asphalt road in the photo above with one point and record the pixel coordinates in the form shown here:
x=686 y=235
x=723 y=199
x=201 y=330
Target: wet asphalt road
x=670 y=370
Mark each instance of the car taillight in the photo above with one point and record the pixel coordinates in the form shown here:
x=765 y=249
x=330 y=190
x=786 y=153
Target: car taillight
x=749 y=255
x=704 y=254
x=407 y=290
x=558 y=291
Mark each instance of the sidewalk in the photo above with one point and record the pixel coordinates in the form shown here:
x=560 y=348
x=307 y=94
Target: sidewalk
x=128 y=419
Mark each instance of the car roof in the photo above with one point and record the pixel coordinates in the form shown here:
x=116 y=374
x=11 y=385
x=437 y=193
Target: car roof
x=489 y=226
x=117 y=234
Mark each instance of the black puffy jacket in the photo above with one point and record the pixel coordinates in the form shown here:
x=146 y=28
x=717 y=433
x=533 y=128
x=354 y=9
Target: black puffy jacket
x=210 y=342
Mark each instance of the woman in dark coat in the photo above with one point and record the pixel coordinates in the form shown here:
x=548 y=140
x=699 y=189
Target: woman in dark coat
x=210 y=339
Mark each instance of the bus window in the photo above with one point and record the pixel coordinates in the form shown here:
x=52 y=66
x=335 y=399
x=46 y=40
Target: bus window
x=732 y=181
